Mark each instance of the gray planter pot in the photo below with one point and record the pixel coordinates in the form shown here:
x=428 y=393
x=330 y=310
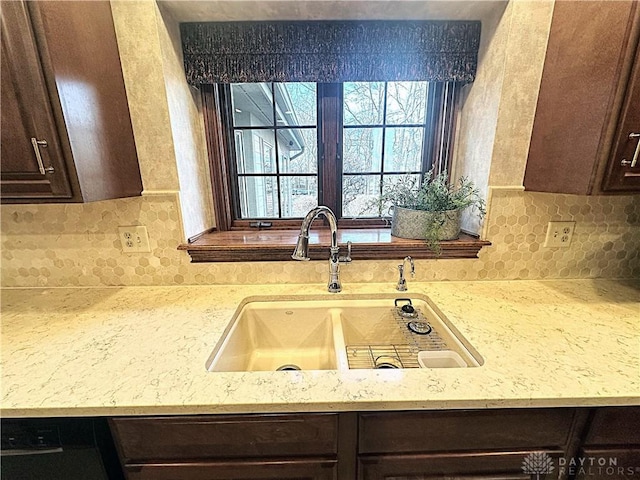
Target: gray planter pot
x=407 y=223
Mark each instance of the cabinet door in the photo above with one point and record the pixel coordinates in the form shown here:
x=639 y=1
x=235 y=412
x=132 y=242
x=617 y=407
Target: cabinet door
x=584 y=72
x=260 y=470
x=32 y=160
x=623 y=173
x=614 y=426
x=606 y=463
x=146 y=439
x=611 y=447
x=485 y=466
x=464 y=430
x=80 y=47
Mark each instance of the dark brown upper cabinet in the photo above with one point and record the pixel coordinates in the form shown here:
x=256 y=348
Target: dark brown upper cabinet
x=587 y=119
x=66 y=133
x=623 y=171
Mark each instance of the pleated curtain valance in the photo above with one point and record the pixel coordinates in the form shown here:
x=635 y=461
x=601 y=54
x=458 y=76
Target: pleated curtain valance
x=330 y=51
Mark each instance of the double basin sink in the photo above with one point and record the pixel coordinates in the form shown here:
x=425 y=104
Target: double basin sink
x=352 y=332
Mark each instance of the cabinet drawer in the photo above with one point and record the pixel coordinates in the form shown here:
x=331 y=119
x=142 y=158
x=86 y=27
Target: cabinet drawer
x=615 y=426
x=459 y=430
x=470 y=466
x=273 y=470
x=193 y=437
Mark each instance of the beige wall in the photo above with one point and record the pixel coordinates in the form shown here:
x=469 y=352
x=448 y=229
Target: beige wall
x=60 y=245
x=165 y=111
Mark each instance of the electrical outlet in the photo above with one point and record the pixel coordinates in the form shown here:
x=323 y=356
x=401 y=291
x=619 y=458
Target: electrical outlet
x=134 y=239
x=559 y=234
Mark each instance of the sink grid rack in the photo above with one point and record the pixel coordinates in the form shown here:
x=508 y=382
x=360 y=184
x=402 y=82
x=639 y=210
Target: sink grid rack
x=429 y=341
x=377 y=356
x=401 y=352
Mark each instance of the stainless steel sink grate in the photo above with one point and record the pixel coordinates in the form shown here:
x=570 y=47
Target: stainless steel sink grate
x=382 y=356
x=396 y=355
x=430 y=341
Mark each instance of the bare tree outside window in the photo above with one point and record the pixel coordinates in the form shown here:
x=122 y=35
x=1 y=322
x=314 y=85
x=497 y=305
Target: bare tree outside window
x=383 y=136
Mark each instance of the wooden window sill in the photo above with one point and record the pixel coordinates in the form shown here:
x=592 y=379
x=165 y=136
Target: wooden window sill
x=277 y=245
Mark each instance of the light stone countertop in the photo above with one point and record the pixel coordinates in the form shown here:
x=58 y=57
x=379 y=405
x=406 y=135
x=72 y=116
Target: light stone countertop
x=142 y=350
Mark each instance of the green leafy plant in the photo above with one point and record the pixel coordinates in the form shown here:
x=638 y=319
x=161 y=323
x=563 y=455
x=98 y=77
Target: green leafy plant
x=432 y=194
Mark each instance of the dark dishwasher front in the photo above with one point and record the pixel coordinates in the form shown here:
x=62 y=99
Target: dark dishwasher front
x=58 y=449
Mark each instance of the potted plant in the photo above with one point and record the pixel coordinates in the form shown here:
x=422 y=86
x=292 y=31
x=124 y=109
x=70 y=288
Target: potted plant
x=430 y=209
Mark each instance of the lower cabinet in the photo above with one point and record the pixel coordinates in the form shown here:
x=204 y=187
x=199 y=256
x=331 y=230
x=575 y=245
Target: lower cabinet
x=229 y=447
x=465 y=443
x=611 y=447
x=418 y=445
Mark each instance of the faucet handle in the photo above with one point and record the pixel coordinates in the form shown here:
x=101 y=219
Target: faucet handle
x=402 y=282
x=411 y=264
x=346 y=259
x=401 y=286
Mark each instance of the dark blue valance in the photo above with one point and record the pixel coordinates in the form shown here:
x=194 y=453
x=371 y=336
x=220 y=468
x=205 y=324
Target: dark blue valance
x=330 y=51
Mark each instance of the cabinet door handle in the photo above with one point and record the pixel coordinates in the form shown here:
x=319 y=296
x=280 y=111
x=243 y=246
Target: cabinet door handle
x=633 y=161
x=36 y=144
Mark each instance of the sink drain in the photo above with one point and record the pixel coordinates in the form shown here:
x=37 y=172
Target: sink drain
x=288 y=366
x=421 y=328
x=387 y=361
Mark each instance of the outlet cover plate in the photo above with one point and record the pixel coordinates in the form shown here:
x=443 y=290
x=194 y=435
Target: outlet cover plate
x=134 y=239
x=559 y=234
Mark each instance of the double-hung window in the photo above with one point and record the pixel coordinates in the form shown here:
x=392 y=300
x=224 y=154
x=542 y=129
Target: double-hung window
x=294 y=145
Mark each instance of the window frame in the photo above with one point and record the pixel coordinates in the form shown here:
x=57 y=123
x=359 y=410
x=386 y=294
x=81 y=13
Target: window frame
x=259 y=242
x=218 y=109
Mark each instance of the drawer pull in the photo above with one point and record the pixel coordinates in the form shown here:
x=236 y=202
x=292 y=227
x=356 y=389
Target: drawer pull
x=36 y=144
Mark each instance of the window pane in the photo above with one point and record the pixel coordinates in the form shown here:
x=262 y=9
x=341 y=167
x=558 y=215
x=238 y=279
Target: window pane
x=255 y=152
x=298 y=150
x=258 y=197
x=298 y=195
x=403 y=149
x=406 y=102
x=362 y=150
x=363 y=103
x=296 y=104
x=252 y=104
x=359 y=194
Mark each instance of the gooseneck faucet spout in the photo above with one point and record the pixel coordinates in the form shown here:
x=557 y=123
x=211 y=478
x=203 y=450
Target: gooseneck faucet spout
x=301 y=251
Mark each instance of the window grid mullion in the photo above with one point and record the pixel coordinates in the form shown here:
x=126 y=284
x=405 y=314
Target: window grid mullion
x=390 y=125
x=384 y=132
x=329 y=122
x=339 y=119
x=276 y=150
x=427 y=139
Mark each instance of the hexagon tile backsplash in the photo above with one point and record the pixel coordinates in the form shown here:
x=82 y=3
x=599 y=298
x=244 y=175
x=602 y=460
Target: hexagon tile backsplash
x=77 y=244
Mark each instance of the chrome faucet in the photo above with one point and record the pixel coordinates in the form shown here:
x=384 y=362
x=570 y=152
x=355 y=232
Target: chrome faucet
x=301 y=251
x=402 y=282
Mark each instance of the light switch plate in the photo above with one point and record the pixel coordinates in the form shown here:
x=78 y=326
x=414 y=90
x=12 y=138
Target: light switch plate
x=559 y=234
x=134 y=239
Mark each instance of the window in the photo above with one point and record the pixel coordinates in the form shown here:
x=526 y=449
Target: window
x=383 y=133
x=292 y=146
x=322 y=135
x=273 y=121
